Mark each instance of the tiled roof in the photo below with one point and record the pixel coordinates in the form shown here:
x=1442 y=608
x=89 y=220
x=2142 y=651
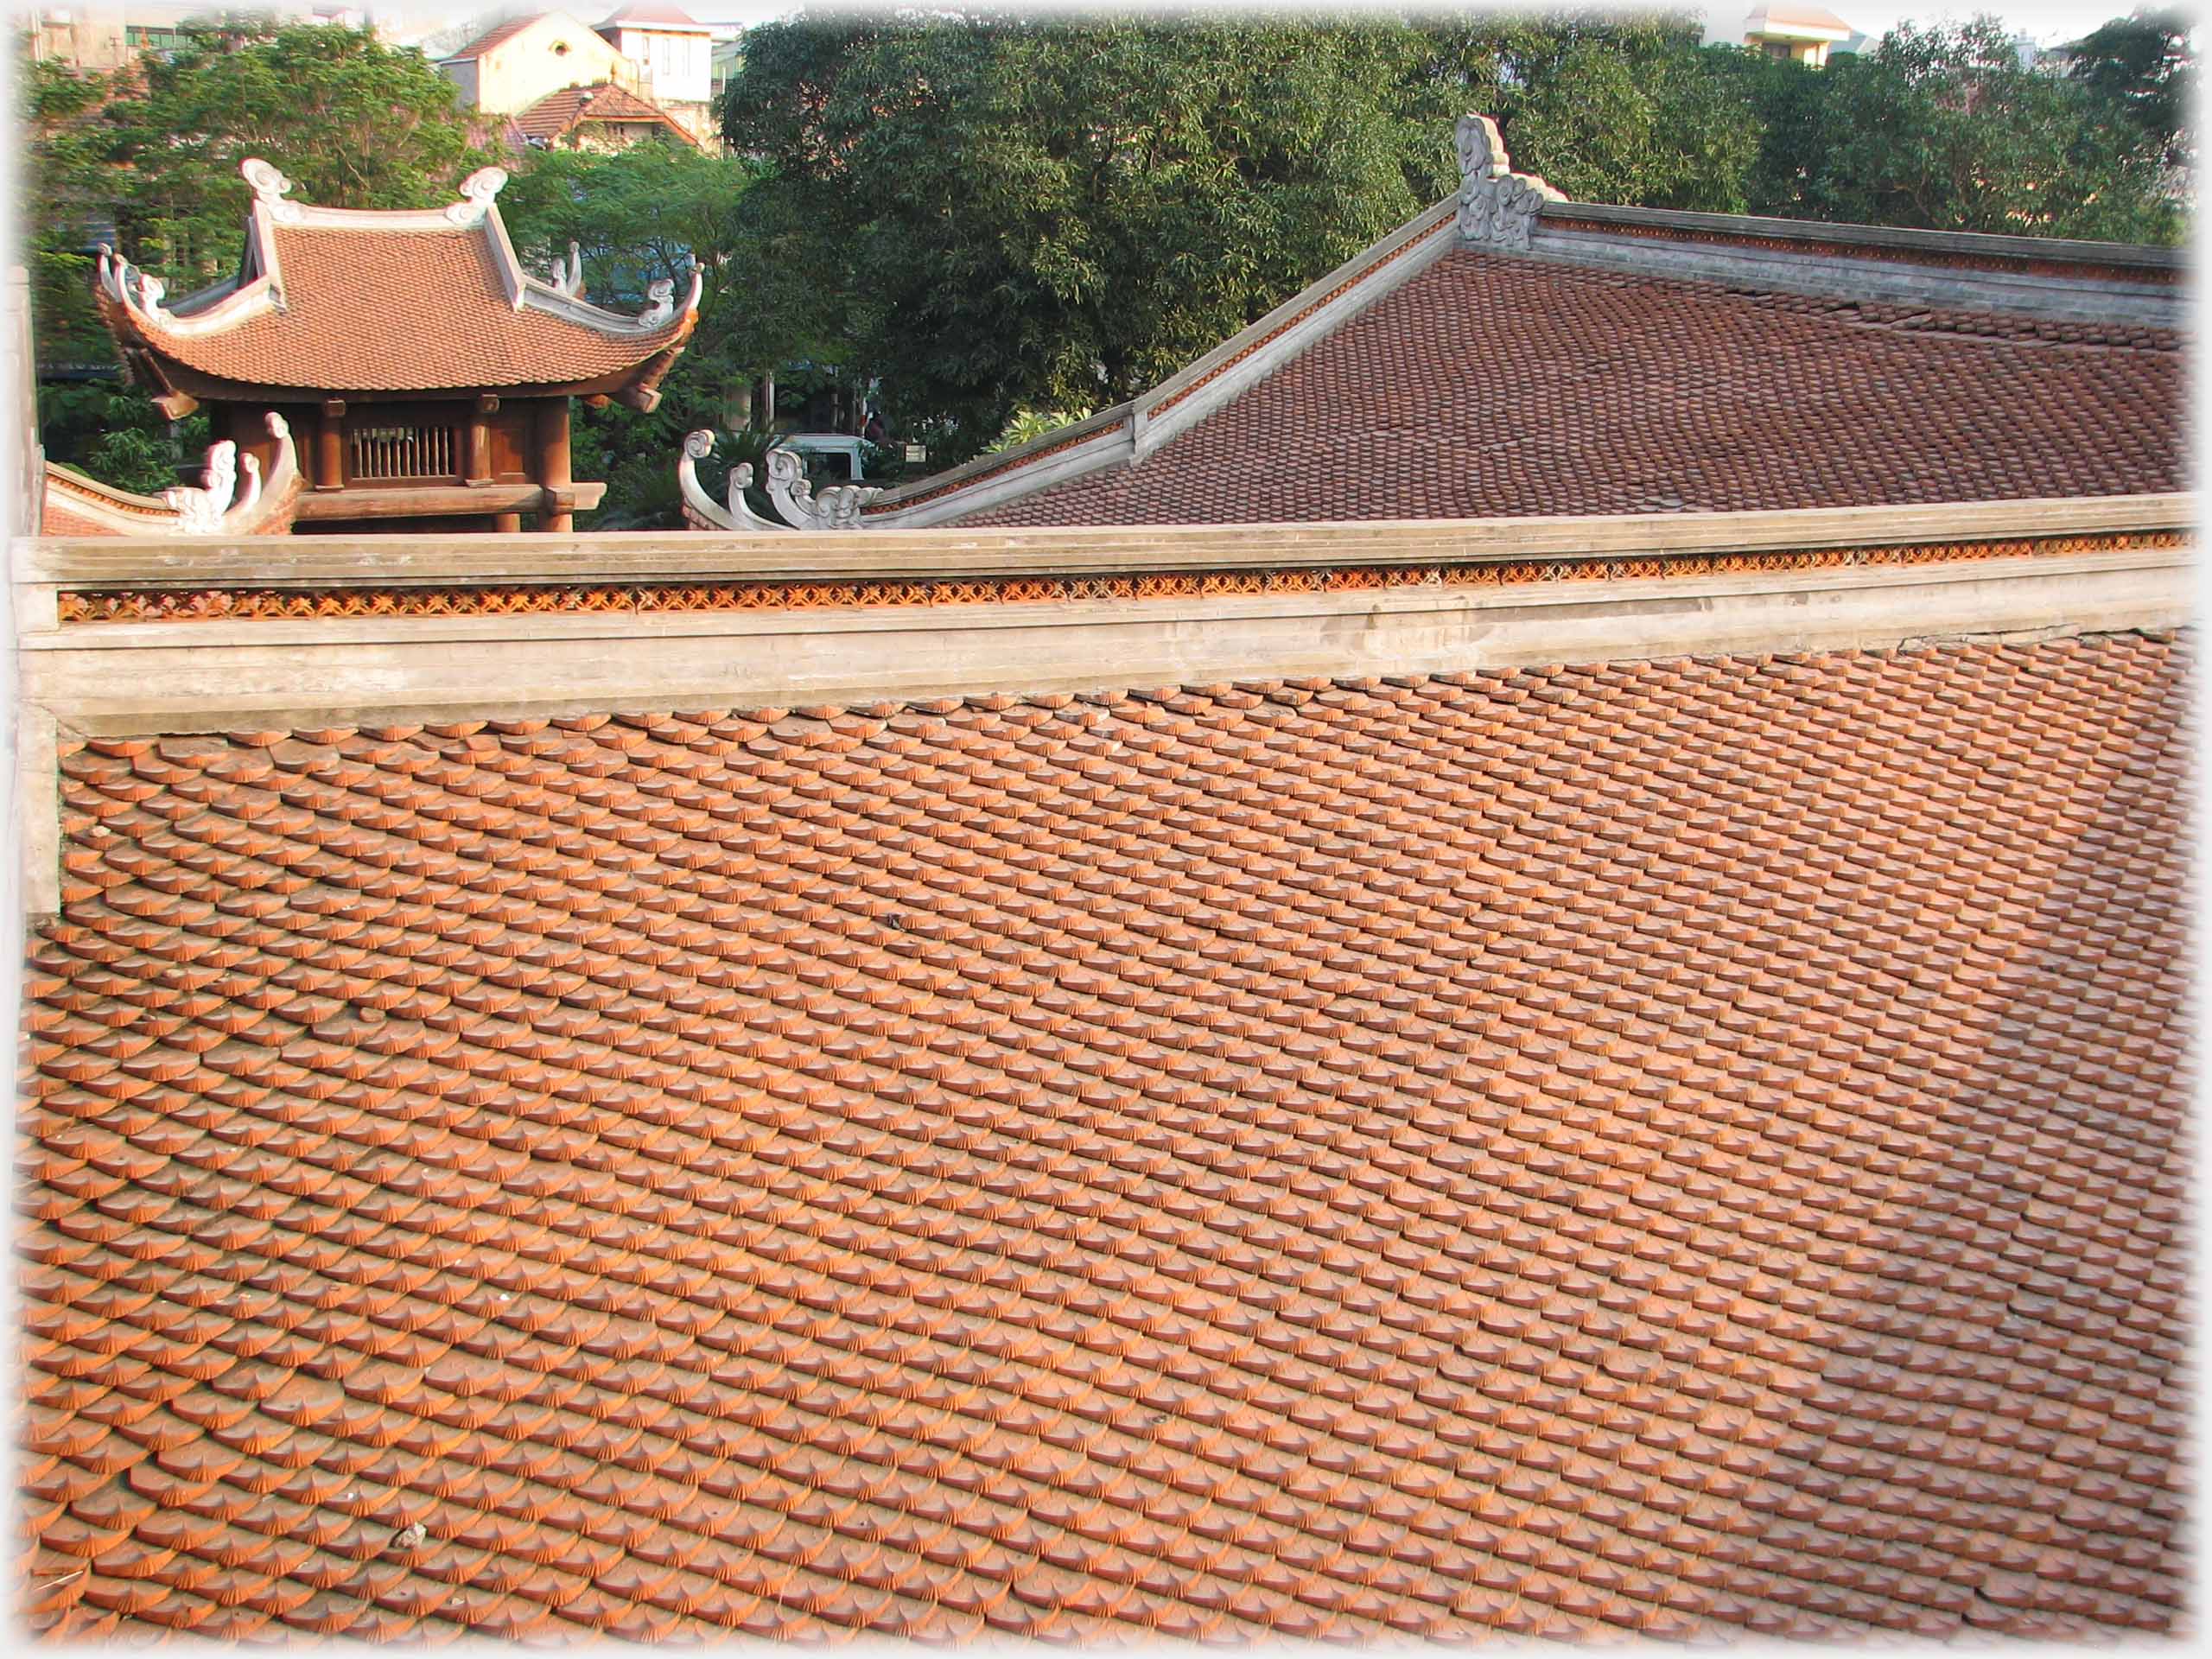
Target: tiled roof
x=1654 y=1146
x=1489 y=387
x=74 y=503
x=556 y=112
x=417 y=310
x=498 y=37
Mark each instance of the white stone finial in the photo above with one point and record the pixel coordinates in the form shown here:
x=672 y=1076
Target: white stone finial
x=477 y=192
x=250 y=491
x=270 y=187
x=151 y=290
x=662 y=294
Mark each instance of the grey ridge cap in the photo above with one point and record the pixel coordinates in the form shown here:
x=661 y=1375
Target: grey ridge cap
x=2048 y=250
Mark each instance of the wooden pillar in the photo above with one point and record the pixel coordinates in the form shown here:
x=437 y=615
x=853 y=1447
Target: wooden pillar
x=553 y=463
x=479 y=440
x=506 y=524
x=330 y=445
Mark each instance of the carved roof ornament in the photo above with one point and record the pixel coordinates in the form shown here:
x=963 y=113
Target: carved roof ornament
x=569 y=280
x=221 y=503
x=702 y=508
x=1498 y=207
x=661 y=292
x=838 y=507
x=270 y=189
x=478 y=191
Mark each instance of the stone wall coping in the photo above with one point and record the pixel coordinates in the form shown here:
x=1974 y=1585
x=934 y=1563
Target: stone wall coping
x=453 y=561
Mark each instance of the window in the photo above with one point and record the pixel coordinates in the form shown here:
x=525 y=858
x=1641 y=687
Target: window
x=410 y=450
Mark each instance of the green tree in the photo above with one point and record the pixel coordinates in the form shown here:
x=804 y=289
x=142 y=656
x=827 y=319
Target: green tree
x=998 y=213
x=1046 y=213
x=1794 y=123
x=649 y=213
x=2142 y=64
x=1609 y=106
x=1649 y=125
x=353 y=122
x=70 y=209
x=1942 y=128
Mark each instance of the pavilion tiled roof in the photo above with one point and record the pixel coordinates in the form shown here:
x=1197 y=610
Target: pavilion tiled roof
x=1491 y=386
x=1663 y=1146
x=370 y=307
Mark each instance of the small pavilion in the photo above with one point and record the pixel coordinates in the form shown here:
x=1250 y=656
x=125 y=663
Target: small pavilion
x=426 y=374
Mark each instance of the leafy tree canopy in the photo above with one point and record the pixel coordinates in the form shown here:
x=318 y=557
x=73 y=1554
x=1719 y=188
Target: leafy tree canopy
x=2142 y=64
x=1942 y=129
x=641 y=214
x=1056 y=213
x=353 y=122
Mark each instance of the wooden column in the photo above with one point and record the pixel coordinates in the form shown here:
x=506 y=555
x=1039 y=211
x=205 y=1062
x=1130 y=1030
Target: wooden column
x=553 y=463
x=330 y=445
x=479 y=440
x=506 y=524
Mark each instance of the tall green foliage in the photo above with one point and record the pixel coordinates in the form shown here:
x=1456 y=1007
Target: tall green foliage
x=1609 y=106
x=1942 y=129
x=353 y=122
x=646 y=213
x=1027 y=214
x=2141 y=64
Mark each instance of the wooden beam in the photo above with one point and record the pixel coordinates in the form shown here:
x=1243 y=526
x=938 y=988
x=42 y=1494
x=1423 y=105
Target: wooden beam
x=443 y=500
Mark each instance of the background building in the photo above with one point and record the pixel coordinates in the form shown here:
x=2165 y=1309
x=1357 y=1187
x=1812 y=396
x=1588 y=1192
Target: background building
x=675 y=52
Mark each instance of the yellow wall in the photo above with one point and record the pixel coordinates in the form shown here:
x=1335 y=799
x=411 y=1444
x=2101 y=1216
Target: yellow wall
x=554 y=52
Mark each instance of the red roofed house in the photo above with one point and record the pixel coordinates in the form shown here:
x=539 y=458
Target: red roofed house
x=601 y=118
x=1510 y=960
x=427 y=373
x=1509 y=353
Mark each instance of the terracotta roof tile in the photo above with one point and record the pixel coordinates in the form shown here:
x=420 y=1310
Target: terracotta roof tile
x=1493 y=387
x=1655 y=1146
